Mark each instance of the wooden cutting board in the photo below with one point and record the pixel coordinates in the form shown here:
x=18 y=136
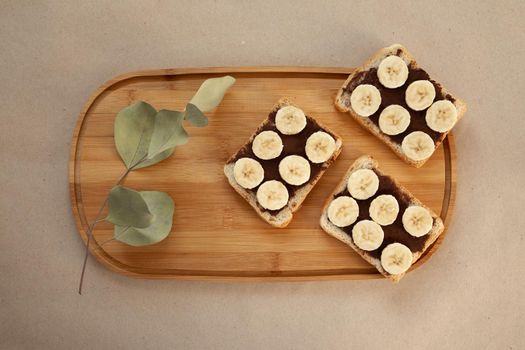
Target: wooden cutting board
x=216 y=234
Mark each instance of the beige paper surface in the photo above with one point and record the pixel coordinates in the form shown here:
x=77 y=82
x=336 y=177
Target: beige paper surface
x=54 y=54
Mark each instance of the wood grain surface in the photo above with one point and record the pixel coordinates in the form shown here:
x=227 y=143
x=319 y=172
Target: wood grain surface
x=216 y=234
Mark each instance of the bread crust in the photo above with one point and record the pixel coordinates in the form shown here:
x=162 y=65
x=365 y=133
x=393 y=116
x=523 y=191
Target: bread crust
x=342 y=101
x=284 y=216
x=367 y=162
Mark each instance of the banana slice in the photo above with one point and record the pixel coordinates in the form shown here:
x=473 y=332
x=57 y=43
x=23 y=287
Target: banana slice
x=441 y=116
x=392 y=72
x=394 y=119
x=319 y=147
x=384 y=209
x=295 y=170
x=420 y=95
x=418 y=145
x=248 y=172
x=343 y=211
x=396 y=258
x=272 y=195
x=363 y=184
x=365 y=100
x=367 y=235
x=417 y=221
x=290 y=120
x=267 y=145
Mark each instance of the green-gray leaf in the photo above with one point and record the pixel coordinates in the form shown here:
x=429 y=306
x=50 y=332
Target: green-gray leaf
x=128 y=208
x=167 y=133
x=158 y=158
x=211 y=93
x=161 y=205
x=195 y=116
x=133 y=129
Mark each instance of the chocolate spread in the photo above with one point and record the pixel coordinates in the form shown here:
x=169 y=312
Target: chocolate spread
x=394 y=232
x=397 y=96
x=292 y=145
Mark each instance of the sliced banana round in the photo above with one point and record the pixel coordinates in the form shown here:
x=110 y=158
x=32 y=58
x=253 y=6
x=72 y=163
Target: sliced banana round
x=396 y=258
x=290 y=120
x=441 y=116
x=363 y=184
x=248 y=172
x=267 y=145
x=343 y=211
x=365 y=100
x=367 y=235
x=295 y=170
x=420 y=95
x=417 y=221
x=392 y=72
x=394 y=119
x=384 y=209
x=319 y=147
x=418 y=145
x=272 y=195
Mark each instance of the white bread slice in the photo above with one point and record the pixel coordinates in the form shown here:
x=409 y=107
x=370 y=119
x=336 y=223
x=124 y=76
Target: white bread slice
x=367 y=162
x=283 y=217
x=342 y=100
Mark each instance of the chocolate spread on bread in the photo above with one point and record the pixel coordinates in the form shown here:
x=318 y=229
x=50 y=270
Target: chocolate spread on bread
x=394 y=232
x=292 y=145
x=397 y=96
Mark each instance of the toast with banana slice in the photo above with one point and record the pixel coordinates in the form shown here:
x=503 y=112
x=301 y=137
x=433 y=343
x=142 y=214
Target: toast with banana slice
x=380 y=219
x=281 y=162
x=397 y=101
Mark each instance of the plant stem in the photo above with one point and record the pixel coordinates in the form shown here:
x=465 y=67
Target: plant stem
x=138 y=163
x=122 y=233
x=89 y=232
x=117 y=236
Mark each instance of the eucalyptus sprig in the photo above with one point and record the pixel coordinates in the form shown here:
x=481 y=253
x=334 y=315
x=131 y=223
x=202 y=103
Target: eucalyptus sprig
x=143 y=137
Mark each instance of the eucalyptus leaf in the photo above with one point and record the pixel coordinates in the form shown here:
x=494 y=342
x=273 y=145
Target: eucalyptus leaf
x=211 y=93
x=133 y=129
x=167 y=133
x=195 y=116
x=162 y=207
x=127 y=207
x=158 y=158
